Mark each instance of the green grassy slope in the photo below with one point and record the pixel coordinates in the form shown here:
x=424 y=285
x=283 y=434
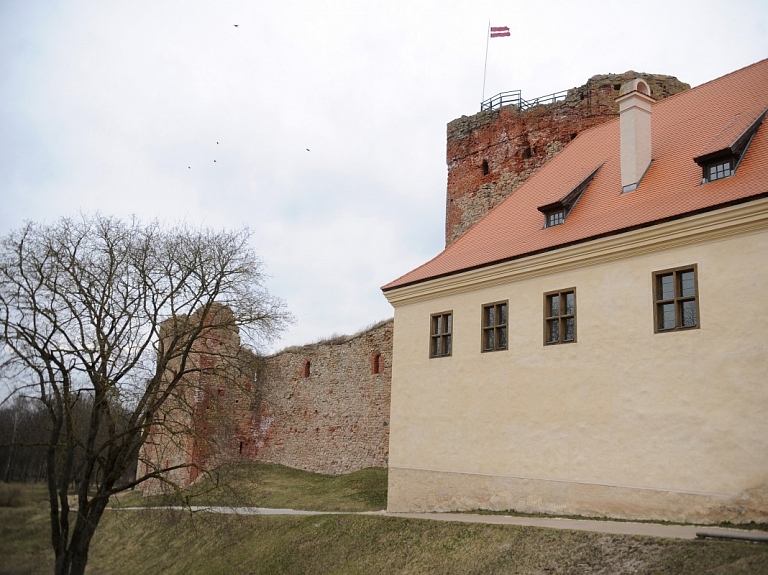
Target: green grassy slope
x=267 y=485
x=152 y=541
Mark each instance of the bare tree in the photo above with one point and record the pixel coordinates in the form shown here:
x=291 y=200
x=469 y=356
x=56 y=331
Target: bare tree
x=82 y=304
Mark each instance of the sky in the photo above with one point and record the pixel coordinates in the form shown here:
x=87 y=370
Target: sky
x=320 y=125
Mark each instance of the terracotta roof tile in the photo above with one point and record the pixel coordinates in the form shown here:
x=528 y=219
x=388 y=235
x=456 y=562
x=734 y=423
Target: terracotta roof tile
x=735 y=127
x=684 y=126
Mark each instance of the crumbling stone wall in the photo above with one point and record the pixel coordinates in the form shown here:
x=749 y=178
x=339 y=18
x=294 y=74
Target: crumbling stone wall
x=322 y=407
x=325 y=407
x=210 y=416
x=492 y=153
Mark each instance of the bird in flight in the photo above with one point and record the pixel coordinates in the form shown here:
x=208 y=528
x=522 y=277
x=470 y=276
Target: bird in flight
x=236 y=25
x=214 y=161
x=307 y=149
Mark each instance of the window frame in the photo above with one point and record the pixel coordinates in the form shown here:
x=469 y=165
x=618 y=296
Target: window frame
x=561 y=318
x=496 y=327
x=444 y=338
x=677 y=299
x=555 y=218
x=714 y=164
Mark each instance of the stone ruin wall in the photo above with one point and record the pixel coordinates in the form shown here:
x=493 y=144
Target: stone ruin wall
x=325 y=407
x=514 y=144
x=322 y=407
x=210 y=417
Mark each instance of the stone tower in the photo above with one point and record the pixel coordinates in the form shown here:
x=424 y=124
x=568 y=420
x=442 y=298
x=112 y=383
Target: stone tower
x=490 y=154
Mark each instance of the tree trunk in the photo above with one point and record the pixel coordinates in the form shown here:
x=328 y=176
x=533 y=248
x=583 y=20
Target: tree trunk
x=75 y=557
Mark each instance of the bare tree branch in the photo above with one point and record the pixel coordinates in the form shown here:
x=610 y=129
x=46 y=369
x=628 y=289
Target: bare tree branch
x=102 y=318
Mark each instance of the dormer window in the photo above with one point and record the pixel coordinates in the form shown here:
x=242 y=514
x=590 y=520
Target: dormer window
x=555 y=218
x=556 y=212
x=723 y=154
x=719 y=169
x=718 y=165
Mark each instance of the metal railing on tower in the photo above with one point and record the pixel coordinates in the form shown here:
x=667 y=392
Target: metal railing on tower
x=514 y=98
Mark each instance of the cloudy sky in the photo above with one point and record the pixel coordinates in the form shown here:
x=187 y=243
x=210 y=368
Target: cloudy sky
x=326 y=118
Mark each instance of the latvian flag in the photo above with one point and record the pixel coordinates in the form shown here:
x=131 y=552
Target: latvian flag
x=499 y=31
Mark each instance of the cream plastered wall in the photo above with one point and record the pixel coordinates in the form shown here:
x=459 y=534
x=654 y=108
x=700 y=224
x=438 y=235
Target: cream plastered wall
x=624 y=422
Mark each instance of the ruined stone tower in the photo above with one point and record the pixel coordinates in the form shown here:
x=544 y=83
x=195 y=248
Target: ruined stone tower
x=490 y=154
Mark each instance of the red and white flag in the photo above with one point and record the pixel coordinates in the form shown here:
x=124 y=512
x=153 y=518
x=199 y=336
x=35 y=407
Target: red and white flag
x=499 y=31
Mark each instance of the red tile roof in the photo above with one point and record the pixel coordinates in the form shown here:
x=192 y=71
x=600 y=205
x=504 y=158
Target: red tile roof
x=684 y=126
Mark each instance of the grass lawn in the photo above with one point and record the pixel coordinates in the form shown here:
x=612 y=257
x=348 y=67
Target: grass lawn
x=268 y=485
x=153 y=541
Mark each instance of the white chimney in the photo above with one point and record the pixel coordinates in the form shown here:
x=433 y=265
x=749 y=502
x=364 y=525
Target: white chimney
x=635 y=118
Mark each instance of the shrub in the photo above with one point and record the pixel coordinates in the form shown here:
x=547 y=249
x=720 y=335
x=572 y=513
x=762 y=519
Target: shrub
x=12 y=495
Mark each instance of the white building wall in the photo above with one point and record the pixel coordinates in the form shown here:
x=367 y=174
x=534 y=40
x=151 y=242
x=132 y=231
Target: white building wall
x=624 y=422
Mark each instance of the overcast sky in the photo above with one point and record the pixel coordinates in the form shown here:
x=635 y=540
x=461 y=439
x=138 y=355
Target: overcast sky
x=123 y=106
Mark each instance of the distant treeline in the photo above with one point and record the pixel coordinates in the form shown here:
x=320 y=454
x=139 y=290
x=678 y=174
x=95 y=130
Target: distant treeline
x=25 y=431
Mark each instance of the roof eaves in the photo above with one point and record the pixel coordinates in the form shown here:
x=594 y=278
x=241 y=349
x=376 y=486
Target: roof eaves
x=581 y=240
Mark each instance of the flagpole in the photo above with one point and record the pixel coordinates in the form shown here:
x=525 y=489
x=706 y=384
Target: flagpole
x=485 y=66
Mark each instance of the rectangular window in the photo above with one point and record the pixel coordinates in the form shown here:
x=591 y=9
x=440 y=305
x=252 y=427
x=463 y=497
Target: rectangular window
x=675 y=295
x=560 y=317
x=720 y=169
x=495 y=326
x=440 y=330
x=555 y=218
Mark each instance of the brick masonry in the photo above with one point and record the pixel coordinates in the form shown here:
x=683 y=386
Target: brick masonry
x=322 y=407
x=325 y=407
x=490 y=154
x=210 y=416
